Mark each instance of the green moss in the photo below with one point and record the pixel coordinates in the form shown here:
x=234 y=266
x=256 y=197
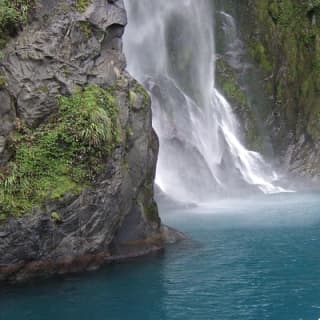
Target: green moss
x=3 y=81
x=228 y=82
x=140 y=90
x=13 y=14
x=286 y=43
x=129 y=132
x=233 y=91
x=81 y=5
x=3 y=217
x=55 y=216
x=62 y=156
x=132 y=98
x=85 y=28
x=259 y=53
x=93 y=114
x=41 y=168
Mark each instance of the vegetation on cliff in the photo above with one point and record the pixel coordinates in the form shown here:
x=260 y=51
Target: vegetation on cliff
x=228 y=83
x=77 y=149
x=81 y=5
x=285 y=41
x=13 y=14
x=63 y=155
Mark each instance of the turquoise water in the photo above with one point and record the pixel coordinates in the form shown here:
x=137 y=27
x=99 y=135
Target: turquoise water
x=247 y=260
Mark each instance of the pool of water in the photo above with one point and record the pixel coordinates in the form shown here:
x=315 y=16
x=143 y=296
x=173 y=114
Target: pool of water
x=246 y=259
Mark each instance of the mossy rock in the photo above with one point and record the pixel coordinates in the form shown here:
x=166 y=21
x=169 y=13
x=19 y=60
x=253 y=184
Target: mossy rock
x=81 y=5
x=13 y=15
x=56 y=217
x=62 y=156
x=228 y=83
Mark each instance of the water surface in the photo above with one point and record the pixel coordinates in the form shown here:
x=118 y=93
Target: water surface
x=247 y=260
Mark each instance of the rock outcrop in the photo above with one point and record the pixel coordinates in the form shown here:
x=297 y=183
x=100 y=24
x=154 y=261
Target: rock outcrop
x=68 y=46
x=283 y=38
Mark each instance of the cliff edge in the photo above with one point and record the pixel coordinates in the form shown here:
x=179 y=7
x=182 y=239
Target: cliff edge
x=77 y=148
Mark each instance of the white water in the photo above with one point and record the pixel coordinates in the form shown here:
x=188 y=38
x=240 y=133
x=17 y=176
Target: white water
x=234 y=47
x=169 y=47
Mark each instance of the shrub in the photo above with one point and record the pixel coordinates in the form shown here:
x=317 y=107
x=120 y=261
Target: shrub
x=13 y=14
x=63 y=155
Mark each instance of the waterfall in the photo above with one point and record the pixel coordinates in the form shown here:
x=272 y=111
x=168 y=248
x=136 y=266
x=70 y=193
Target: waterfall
x=234 y=47
x=170 y=48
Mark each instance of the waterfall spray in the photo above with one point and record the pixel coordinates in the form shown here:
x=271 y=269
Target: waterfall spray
x=169 y=46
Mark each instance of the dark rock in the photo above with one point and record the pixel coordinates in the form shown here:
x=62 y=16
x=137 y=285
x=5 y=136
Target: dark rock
x=49 y=58
x=277 y=36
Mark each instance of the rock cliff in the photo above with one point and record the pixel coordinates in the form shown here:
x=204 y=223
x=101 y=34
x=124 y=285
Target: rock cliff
x=282 y=39
x=73 y=200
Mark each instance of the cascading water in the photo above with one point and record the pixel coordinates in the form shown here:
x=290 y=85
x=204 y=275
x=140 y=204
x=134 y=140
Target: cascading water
x=234 y=46
x=169 y=47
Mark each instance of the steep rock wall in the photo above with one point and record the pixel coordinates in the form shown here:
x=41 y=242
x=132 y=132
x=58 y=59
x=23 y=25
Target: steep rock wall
x=68 y=46
x=283 y=38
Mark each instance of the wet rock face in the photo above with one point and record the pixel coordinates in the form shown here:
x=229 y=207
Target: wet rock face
x=282 y=37
x=62 y=49
x=7 y=116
